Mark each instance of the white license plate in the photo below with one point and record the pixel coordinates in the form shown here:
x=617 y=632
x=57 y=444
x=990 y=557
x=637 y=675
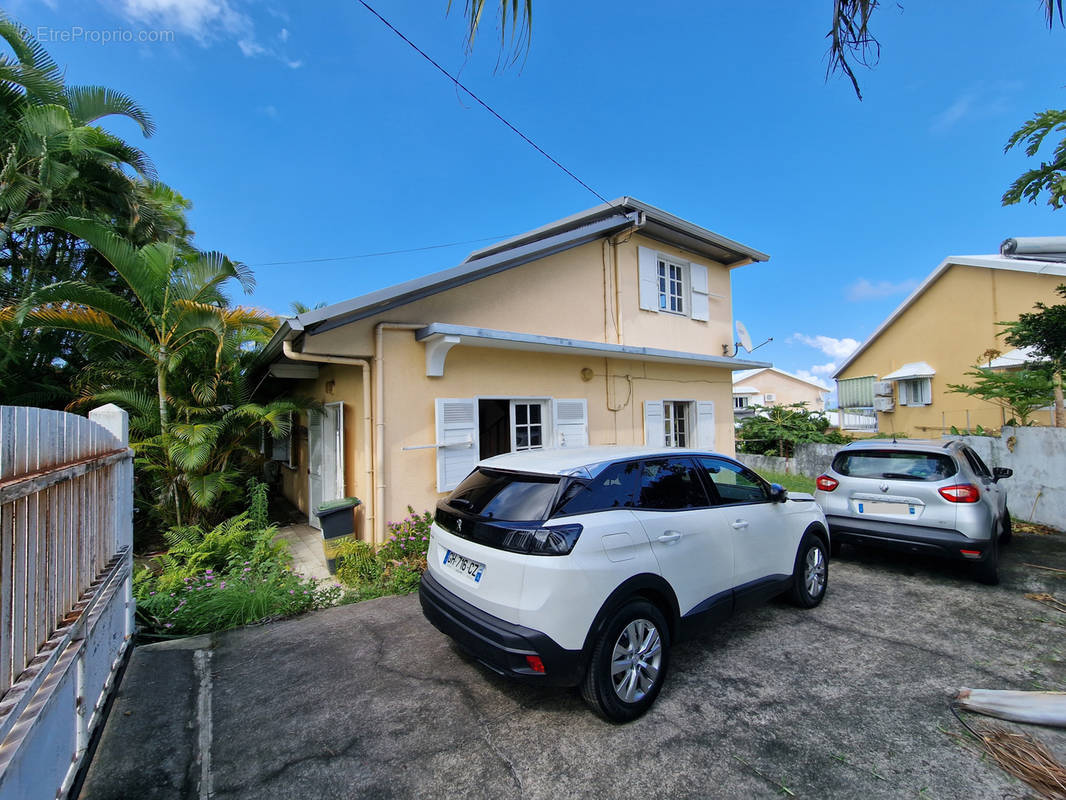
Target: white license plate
x=873 y=507
x=467 y=567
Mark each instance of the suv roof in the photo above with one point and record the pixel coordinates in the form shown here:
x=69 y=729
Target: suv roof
x=923 y=445
x=563 y=461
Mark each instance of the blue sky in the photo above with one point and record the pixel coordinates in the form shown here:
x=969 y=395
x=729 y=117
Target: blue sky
x=308 y=130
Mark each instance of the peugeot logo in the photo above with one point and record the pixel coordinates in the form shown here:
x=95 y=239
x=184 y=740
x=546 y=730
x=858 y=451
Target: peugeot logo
x=459 y=522
x=884 y=486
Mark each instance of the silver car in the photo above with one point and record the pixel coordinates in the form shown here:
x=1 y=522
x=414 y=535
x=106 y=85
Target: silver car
x=920 y=497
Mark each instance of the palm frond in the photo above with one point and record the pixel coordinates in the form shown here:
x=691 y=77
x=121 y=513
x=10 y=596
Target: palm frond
x=79 y=293
x=88 y=321
x=90 y=103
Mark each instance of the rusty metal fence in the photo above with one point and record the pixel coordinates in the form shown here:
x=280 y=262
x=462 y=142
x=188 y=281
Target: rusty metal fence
x=66 y=608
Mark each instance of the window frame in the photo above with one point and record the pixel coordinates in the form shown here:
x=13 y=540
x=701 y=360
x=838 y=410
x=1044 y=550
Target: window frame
x=692 y=465
x=906 y=388
x=544 y=425
x=712 y=488
x=670 y=419
x=740 y=402
x=663 y=285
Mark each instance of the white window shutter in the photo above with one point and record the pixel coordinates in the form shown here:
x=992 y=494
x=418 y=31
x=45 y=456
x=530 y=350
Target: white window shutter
x=902 y=386
x=701 y=305
x=648 y=266
x=457 y=452
x=571 y=423
x=705 y=425
x=654 y=433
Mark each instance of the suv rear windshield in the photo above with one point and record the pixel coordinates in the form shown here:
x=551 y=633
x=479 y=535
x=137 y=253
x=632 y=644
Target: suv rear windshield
x=511 y=496
x=895 y=465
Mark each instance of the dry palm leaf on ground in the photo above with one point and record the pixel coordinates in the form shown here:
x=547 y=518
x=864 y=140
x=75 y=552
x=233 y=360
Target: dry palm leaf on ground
x=1022 y=756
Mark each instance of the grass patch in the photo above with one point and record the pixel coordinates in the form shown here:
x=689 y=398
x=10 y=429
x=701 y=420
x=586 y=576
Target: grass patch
x=794 y=483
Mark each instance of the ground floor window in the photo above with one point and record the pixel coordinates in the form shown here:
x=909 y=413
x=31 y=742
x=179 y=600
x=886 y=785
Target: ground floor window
x=676 y=422
x=508 y=426
x=740 y=402
x=916 y=392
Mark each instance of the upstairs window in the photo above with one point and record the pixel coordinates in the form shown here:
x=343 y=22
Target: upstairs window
x=671 y=287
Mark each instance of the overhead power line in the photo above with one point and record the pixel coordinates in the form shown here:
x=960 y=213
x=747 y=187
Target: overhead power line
x=355 y=256
x=481 y=102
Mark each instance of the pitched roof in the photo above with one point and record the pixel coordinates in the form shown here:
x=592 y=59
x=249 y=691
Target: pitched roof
x=740 y=377
x=563 y=234
x=985 y=262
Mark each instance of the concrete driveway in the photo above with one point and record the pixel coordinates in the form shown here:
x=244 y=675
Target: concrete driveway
x=849 y=700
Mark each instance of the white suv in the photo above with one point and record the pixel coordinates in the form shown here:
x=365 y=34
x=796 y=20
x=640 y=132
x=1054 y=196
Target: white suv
x=580 y=567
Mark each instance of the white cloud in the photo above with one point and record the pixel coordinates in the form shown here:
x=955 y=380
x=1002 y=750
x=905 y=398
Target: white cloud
x=202 y=19
x=837 y=348
x=864 y=289
x=824 y=369
x=270 y=111
x=978 y=101
x=208 y=21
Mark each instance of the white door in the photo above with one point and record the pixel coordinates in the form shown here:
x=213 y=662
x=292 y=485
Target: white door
x=314 y=466
x=325 y=435
x=690 y=540
x=763 y=543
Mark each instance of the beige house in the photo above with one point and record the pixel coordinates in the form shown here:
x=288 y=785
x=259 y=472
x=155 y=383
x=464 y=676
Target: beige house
x=946 y=327
x=769 y=386
x=611 y=326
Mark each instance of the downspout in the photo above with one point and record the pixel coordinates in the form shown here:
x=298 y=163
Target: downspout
x=364 y=367
x=379 y=410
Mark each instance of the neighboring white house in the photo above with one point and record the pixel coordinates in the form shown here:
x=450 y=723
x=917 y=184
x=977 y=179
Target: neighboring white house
x=769 y=386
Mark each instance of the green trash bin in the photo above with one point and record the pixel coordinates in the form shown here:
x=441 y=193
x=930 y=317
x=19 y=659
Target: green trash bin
x=337 y=518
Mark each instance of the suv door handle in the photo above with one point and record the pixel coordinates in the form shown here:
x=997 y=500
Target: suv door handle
x=669 y=536
x=739 y=524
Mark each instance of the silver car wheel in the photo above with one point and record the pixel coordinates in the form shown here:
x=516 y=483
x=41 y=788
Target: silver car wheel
x=814 y=572
x=636 y=660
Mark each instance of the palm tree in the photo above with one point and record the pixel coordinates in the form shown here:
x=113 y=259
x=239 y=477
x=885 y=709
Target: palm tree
x=177 y=301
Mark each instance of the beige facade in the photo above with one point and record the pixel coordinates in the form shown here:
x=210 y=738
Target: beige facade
x=775 y=387
x=947 y=325
x=563 y=337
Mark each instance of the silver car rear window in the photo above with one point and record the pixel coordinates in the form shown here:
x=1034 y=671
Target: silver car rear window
x=895 y=465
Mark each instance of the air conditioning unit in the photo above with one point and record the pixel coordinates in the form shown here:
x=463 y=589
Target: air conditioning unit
x=883 y=388
x=883 y=404
x=769 y=398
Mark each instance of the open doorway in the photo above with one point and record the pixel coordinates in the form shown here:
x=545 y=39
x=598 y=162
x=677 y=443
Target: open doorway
x=494 y=427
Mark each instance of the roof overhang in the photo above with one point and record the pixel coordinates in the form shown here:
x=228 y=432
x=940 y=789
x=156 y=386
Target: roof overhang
x=915 y=369
x=440 y=338
x=654 y=222
x=745 y=390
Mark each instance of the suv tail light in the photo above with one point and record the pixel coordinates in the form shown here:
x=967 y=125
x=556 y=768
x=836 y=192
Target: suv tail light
x=826 y=484
x=557 y=541
x=960 y=493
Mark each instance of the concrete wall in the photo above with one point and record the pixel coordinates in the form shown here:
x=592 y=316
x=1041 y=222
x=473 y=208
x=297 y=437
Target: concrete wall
x=950 y=326
x=810 y=459
x=1037 y=490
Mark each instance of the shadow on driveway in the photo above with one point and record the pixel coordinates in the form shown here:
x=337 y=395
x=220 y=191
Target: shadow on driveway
x=848 y=700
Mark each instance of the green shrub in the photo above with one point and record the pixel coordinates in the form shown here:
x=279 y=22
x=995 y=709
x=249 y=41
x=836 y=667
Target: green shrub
x=395 y=568
x=231 y=575
x=218 y=602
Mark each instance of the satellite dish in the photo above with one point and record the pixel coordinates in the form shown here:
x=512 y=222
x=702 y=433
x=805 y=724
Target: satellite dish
x=743 y=338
